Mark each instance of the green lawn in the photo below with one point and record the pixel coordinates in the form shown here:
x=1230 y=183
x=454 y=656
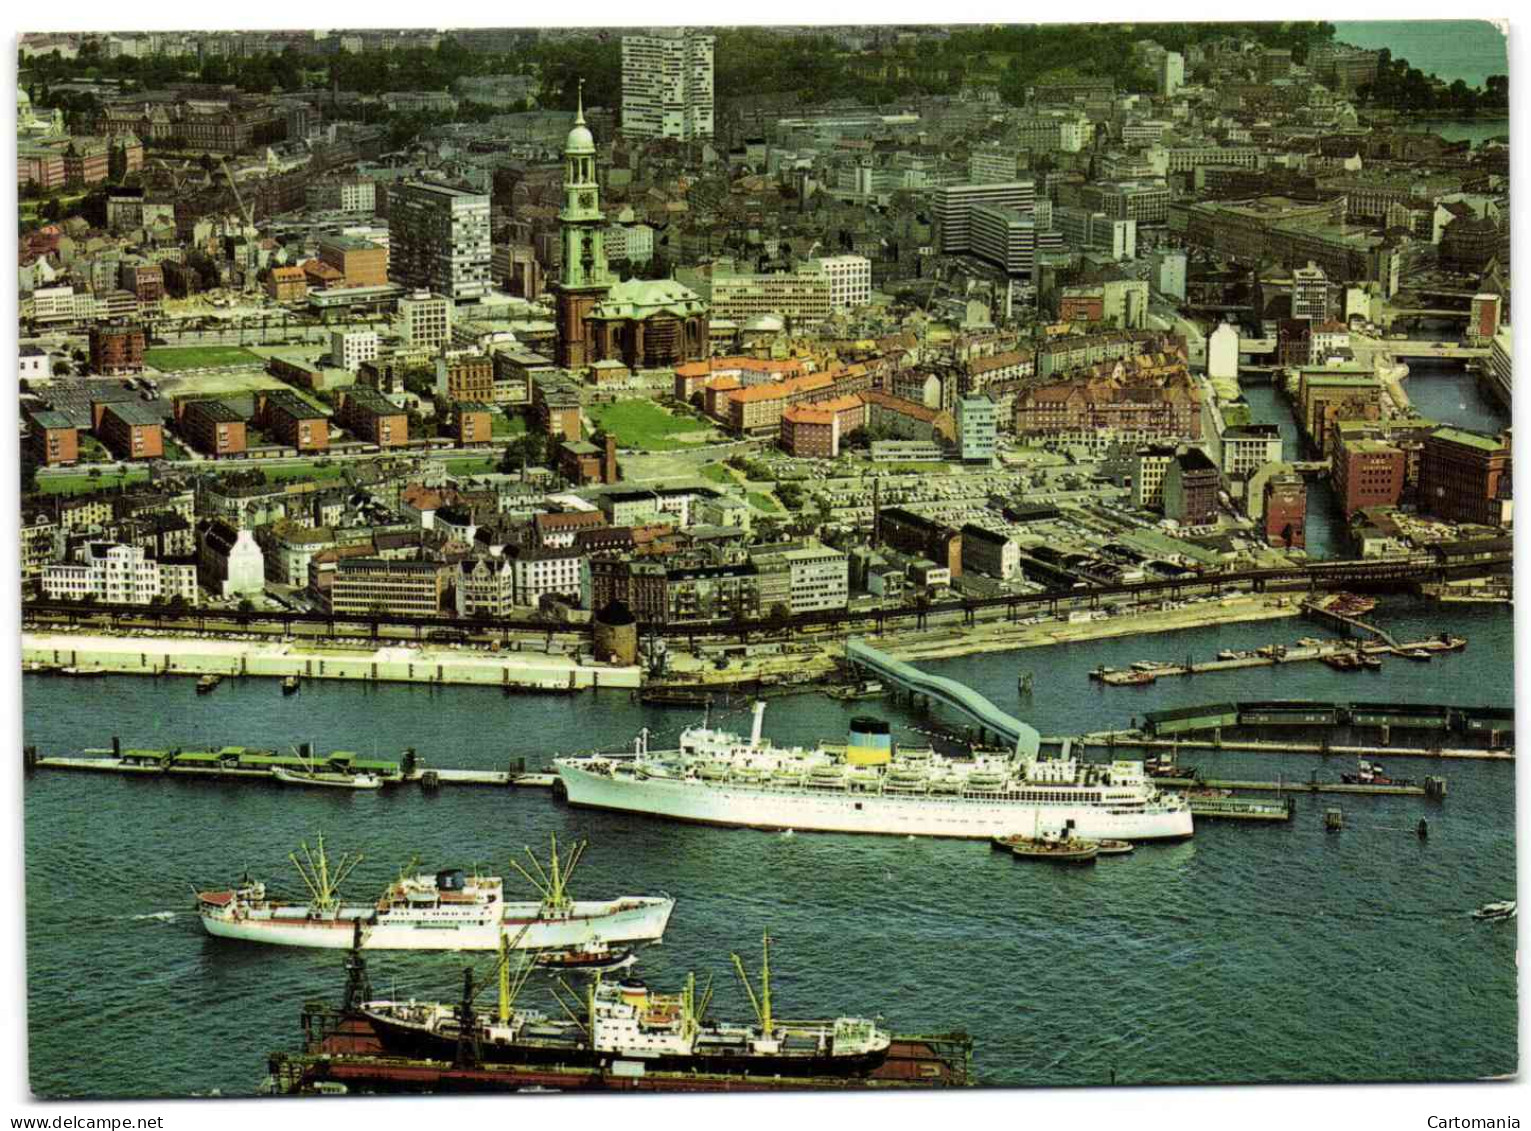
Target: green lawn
x=763 y=503
x=168 y=359
x=644 y=425
x=304 y=471
x=503 y=427
x=75 y=484
x=718 y=473
x=472 y=465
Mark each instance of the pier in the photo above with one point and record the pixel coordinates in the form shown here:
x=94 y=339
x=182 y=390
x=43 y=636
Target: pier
x=1118 y=741
x=1386 y=646
x=1296 y=786
x=242 y=764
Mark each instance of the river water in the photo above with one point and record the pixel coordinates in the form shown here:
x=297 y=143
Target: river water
x=1246 y=954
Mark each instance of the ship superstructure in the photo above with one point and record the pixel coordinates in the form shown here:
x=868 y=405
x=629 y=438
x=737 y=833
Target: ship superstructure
x=446 y=910
x=870 y=786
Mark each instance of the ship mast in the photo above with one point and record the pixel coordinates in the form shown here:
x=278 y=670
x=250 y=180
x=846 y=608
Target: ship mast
x=762 y=1003
x=553 y=882
x=323 y=888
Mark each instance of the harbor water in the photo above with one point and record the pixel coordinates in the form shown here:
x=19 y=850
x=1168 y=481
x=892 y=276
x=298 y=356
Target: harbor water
x=1246 y=954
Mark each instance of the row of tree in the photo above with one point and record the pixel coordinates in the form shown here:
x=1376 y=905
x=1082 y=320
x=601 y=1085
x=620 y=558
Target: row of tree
x=1399 y=86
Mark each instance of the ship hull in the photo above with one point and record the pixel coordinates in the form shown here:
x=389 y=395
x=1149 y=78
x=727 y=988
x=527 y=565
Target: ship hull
x=842 y=811
x=624 y=921
x=418 y=1043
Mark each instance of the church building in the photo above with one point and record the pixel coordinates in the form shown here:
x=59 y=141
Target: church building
x=643 y=323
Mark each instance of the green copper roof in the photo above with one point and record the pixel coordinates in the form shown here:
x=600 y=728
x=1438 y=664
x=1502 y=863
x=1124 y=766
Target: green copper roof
x=1468 y=439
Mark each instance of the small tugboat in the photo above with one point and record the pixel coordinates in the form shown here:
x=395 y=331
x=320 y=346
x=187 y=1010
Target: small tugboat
x=290 y=685
x=208 y=684
x=1114 y=848
x=1052 y=848
x=1344 y=662
x=1372 y=663
x=1504 y=909
x=1372 y=773
x=1418 y=655
x=1165 y=766
x=1102 y=672
x=592 y=957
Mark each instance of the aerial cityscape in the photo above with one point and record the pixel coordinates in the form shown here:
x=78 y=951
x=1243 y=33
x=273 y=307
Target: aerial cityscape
x=494 y=501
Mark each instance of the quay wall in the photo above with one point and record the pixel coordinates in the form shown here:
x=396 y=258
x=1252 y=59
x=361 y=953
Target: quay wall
x=135 y=655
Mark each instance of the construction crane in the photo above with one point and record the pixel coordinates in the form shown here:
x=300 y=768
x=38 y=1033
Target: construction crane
x=176 y=180
x=244 y=210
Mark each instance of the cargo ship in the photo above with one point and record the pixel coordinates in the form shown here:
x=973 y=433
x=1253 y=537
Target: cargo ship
x=626 y=1021
x=445 y=910
x=868 y=786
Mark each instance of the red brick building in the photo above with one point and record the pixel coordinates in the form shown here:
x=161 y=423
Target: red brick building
x=145 y=281
x=115 y=350
x=361 y=263
x=469 y=377
x=1286 y=511
x=212 y=427
x=373 y=418
x=815 y=431
x=86 y=160
x=1465 y=477
x=287 y=284
x=129 y=429
x=1367 y=473
x=472 y=424
x=289 y=419
x=54 y=439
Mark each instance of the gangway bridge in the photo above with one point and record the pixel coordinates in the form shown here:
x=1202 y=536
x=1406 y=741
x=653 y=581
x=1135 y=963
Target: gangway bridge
x=948 y=692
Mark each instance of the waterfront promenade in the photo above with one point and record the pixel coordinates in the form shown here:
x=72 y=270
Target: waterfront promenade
x=393 y=663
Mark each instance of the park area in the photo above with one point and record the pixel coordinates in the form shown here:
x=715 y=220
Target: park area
x=646 y=426
x=169 y=359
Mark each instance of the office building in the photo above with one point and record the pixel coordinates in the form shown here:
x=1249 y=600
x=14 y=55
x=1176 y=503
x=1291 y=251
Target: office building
x=850 y=280
x=954 y=205
x=439 y=240
x=425 y=320
x=667 y=85
x=349 y=348
x=977 y=428
x=1171 y=73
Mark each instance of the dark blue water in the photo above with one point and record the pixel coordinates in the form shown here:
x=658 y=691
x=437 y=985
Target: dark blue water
x=1246 y=954
x=1445 y=392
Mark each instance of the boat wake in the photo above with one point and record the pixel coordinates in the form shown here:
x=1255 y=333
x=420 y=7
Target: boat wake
x=158 y=917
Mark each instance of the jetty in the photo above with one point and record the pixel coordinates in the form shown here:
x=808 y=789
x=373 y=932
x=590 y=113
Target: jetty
x=1238 y=809
x=247 y=764
x=1148 y=671
x=1300 y=786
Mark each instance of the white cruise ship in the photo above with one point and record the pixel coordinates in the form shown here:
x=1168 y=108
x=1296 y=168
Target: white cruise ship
x=866 y=786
